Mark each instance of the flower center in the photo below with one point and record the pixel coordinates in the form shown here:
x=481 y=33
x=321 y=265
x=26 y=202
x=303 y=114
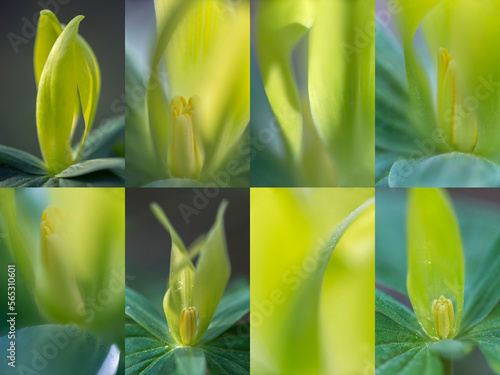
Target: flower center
x=457 y=122
x=187 y=325
x=185 y=154
x=443 y=316
x=51 y=220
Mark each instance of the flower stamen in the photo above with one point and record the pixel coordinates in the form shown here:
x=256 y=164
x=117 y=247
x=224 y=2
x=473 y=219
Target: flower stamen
x=443 y=316
x=187 y=325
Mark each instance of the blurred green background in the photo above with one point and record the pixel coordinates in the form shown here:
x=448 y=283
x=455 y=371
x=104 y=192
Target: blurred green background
x=103 y=28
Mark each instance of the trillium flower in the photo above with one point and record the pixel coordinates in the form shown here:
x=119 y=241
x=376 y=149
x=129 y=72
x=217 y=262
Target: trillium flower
x=198 y=116
x=438 y=96
x=317 y=64
x=58 y=248
x=68 y=80
x=304 y=317
x=194 y=293
x=199 y=331
x=451 y=313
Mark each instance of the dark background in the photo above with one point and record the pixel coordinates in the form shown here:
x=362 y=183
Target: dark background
x=148 y=243
x=103 y=28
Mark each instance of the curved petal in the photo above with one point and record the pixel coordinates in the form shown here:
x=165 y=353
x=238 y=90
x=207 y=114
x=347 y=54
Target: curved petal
x=280 y=26
x=212 y=273
x=293 y=234
x=56 y=98
x=181 y=278
x=435 y=257
x=48 y=30
x=342 y=84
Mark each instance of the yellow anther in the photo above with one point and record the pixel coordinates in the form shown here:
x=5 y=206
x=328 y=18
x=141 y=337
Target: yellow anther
x=185 y=154
x=187 y=325
x=457 y=123
x=443 y=315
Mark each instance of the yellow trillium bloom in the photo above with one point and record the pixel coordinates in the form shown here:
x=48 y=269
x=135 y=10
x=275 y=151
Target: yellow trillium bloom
x=456 y=92
x=68 y=80
x=194 y=293
x=73 y=257
x=435 y=263
x=197 y=121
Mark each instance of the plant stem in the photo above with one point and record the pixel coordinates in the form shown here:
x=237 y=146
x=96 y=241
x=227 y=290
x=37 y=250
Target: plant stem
x=447 y=366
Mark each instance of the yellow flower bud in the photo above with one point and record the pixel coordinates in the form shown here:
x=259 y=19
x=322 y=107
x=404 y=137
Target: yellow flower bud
x=185 y=154
x=458 y=125
x=187 y=325
x=56 y=289
x=444 y=317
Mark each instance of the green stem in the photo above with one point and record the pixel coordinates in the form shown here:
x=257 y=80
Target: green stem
x=447 y=366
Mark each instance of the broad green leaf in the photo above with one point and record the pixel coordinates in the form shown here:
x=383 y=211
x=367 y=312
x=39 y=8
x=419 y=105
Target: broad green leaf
x=233 y=306
x=280 y=26
x=397 y=311
x=116 y=165
x=76 y=351
x=341 y=83
x=10 y=177
x=22 y=161
x=100 y=141
x=400 y=351
x=483 y=292
x=144 y=314
x=189 y=361
x=175 y=182
x=486 y=335
x=451 y=349
x=383 y=163
x=435 y=256
x=446 y=170
x=211 y=274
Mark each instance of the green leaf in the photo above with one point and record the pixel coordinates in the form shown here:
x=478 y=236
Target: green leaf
x=399 y=351
x=230 y=353
x=451 y=349
x=189 y=361
x=116 y=165
x=233 y=306
x=487 y=336
x=100 y=141
x=483 y=293
x=398 y=312
x=145 y=315
x=435 y=256
x=22 y=161
x=75 y=351
x=446 y=170
x=175 y=182
x=10 y=177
